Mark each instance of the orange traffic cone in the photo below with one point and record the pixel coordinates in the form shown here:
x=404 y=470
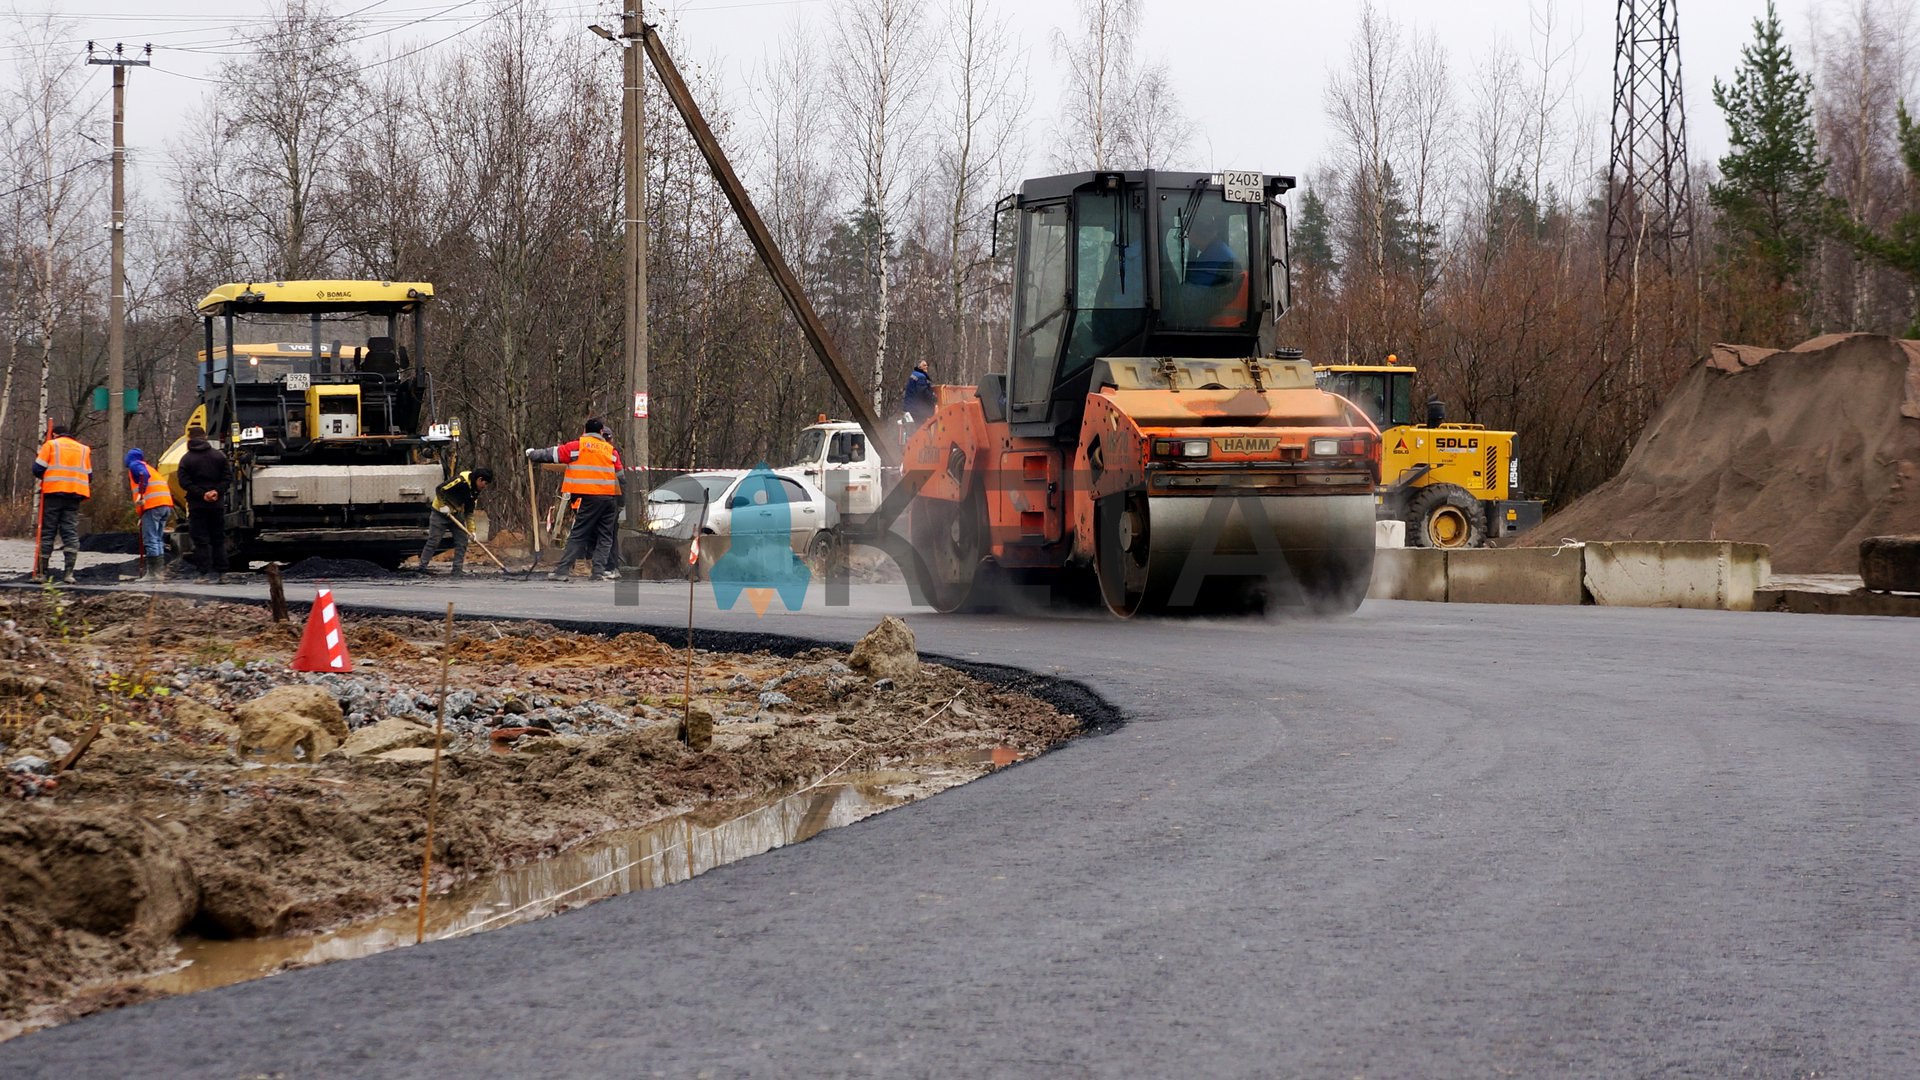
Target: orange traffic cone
x=323 y=647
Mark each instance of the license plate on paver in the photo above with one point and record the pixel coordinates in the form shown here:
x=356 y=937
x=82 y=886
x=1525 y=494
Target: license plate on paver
x=1244 y=444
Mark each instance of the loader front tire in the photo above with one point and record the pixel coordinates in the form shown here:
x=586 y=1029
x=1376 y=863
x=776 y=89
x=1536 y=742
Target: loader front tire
x=1445 y=516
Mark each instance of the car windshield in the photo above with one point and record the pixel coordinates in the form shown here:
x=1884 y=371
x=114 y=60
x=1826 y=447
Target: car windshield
x=693 y=488
x=807 y=450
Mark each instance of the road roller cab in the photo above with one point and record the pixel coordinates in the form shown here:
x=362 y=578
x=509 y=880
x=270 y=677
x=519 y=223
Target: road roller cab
x=1147 y=437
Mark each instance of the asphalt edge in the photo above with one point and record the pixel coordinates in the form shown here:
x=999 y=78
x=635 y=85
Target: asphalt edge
x=1097 y=715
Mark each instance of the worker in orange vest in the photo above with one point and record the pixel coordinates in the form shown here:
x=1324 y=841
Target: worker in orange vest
x=153 y=504
x=593 y=479
x=64 y=468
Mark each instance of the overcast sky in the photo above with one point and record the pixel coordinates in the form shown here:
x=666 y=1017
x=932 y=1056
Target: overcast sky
x=1250 y=73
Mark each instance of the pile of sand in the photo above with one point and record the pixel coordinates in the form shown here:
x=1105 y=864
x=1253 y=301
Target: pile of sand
x=1809 y=450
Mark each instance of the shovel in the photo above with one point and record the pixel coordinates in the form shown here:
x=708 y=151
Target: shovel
x=462 y=526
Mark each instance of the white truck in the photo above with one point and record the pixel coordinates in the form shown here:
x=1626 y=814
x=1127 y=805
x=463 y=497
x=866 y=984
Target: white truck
x=837 y=457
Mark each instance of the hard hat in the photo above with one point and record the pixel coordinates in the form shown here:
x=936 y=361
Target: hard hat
x=1392 y=359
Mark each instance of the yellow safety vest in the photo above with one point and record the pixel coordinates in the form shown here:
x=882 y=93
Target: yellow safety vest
x=592 y=471
x=69 y=464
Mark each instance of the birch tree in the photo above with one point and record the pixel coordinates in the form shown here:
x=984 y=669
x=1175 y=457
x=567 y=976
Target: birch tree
x=300 y=105
x=58 y=180
x=880 y=82
x=987 y=98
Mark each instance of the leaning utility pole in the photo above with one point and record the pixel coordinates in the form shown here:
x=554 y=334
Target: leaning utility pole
x=119 y=61
x=851 y=393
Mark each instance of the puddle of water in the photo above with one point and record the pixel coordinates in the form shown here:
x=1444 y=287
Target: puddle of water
x=611 y=864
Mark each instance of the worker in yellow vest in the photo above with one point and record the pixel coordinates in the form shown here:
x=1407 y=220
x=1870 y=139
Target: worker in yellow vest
x=64 y=468
x=593 y=480
x=153 y=505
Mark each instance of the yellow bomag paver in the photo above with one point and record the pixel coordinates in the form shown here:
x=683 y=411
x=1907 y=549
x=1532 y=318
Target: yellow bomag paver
x=320 y=394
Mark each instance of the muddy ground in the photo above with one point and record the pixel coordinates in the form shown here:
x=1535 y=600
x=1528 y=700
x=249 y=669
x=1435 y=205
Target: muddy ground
x=227 y=796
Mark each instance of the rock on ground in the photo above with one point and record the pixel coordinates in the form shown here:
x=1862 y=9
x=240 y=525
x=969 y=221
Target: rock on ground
x=392 y=733
x=290 y=721
x=887 y=652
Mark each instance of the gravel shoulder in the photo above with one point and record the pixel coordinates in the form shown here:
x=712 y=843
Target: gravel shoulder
x=226 y=796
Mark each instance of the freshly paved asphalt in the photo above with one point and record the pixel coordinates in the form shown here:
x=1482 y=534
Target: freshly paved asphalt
x=1423 y=841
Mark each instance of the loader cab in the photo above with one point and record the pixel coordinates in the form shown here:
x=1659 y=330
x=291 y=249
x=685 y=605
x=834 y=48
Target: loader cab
x=1384 y=392
x=1140 y=263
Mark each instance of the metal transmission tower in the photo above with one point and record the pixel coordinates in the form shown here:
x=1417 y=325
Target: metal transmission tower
x=1649 y=196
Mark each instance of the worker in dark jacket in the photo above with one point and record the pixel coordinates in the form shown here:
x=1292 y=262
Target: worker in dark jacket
x=64 y=468
x=454 y=504
x=919 y=400
x=592 y=481
x=204 y=475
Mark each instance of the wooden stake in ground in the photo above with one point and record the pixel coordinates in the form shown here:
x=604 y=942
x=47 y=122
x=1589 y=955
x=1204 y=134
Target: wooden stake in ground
x=80 y=747
x=433 y=785
x=276 y=593
x=693 y=575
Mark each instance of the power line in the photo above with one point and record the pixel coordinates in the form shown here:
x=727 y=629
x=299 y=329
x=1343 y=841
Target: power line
x=51 y=179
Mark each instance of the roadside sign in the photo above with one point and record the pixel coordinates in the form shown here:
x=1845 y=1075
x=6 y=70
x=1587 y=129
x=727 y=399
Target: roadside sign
x=640 y=405
x=100 y=399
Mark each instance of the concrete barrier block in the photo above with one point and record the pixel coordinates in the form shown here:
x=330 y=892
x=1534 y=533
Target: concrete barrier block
x=1514 y=576
x=1389 y=534
x=1858 y=602
x=1717 y=574
x=1891 y=563
x=1409 y=574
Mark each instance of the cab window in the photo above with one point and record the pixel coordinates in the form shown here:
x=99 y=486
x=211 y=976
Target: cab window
x=1205 y=257
x=1110 y=276
x=849 y=447
x=1042 y=317
x=807 y=450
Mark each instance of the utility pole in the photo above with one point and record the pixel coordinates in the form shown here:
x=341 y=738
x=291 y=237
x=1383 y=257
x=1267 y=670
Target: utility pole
x=633 y=133
x=119 y=61
x=633 y=122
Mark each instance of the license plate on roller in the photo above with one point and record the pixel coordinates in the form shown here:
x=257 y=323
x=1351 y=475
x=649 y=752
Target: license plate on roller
x=1243 y=187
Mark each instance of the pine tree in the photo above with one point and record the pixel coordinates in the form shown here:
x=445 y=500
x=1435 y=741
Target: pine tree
x=1769 y=195
x=1313 y=236
x=1899 y=246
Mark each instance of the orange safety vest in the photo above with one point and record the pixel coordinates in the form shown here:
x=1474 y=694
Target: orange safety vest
x=157 y=494
x=1234 y=312
x=592 y=472
x=69 y=465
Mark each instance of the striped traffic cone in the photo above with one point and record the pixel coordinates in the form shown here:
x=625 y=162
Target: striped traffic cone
x=323 y=647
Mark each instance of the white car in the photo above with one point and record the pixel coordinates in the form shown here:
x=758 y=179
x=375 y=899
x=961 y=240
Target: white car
x=742 y=500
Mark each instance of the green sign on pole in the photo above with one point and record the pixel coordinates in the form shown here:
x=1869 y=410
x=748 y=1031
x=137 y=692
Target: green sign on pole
x=100 y=399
